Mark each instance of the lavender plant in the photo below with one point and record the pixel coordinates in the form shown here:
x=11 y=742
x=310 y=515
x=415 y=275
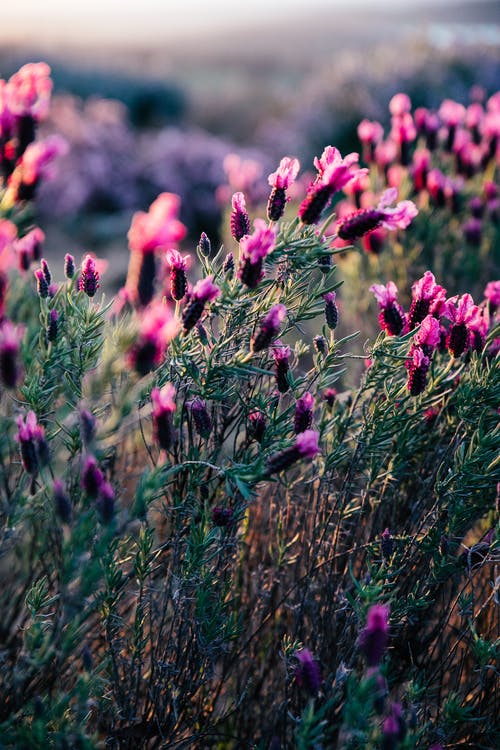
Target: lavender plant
x=204 y=543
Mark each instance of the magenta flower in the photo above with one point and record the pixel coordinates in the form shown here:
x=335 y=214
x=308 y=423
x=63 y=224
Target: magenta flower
x=286 y=173
x=35 y=164
x=157 y=328
x=305 y=446
x=391 y=317
x=400 y=104
x=492 y=294
x=92 y=477
x=428 y=335
x=10 y=343
x=204 y=291
x=253 y=250
x=462 y=312
x=280 y=181
x=334 y=172
x=41 y=284
x=239 y=221
x=428 y=298
x=31 y=438
x=370 y=133
x=308 y=672
x=178 y=280
x=157 y=228
x=28 y=91
x=452 y=113
x=163 y=409
x=29 y=247
x=417 y=365
x=281 y=356
x=89 y=277
x=365 y=220
x=374 y=637
x=269 y=328
x=303 y=413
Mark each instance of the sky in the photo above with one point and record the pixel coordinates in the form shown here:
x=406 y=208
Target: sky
x=128 y=21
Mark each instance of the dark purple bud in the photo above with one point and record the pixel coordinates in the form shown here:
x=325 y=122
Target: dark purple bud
x=256 y=426
x=391 y=319
x=146 y=278
x=92 y=477
x=276 y=204
x=457 y=340
x=87 y=426
x=222 y=517
x=228 y=267
x=331 y=310
x=269 y=328
x=46 y=271
x=387 y=544
x=41 y=284
x=318 y=197
x=52 y=328
x=281 y=354
x=476 y=207
x=87 y=661
x=359 y=223
x=62 y=502
x=374 y=637
x=303 y=413
x=325 y=263
x=380 y=693
x=202 y=333
x=320 y=344
x=69 y=266
x=105 y=503
x=330 y=394
x=9 y=354
x=307 y=672
x=306 y=446
x=205 y=245
x=201 y=417
x=473 y=231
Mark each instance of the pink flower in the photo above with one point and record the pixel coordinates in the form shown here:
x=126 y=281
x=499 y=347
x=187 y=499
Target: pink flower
x=8 y=233
x=370 y=132
x=492 y=293
x=38 y=157
x=253 y=249
x=465 y=317
x=240 y=221
x=428 y=298
x=451 y=113
x=204 y=291
x=428 y=335
x=178 y=280
x=334 y=172
x=303 y=413
x=28 y=91
x=417 y=365
x=89 y=277
x=156 y=329
x=391 y=317
x=159 y=227
x=269 y=328
x=385 y=153
x=307 y=443
x=10 y=343
x=400 y=104
x=33 y=445
x=398 y=217
x=403 y=129
x=28 y=248
x=286 y=173
x=163 y=408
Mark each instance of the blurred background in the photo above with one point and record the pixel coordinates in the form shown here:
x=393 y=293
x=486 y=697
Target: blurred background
x=153 y=96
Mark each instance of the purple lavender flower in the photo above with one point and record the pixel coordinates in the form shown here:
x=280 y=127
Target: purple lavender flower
x=53 y=326
x=105 y=503
x=256 y=425
x=269 y=328
x=240 y=221
x=201 y=417
x=374 y=637
x=92 y=477
x=307 y=672
x=391 y=317
x=205 y=245
x=253 y=250
x=69 y=266
x=163 y=409
x=281 y=356
x=32 y=442
x=62 y=502
x=41 y=284
x=203 y=292
x=10 y=340
x=305 y=446
x=89 y=278
x=178 y=280
x=280 y=181
x=303 y=413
